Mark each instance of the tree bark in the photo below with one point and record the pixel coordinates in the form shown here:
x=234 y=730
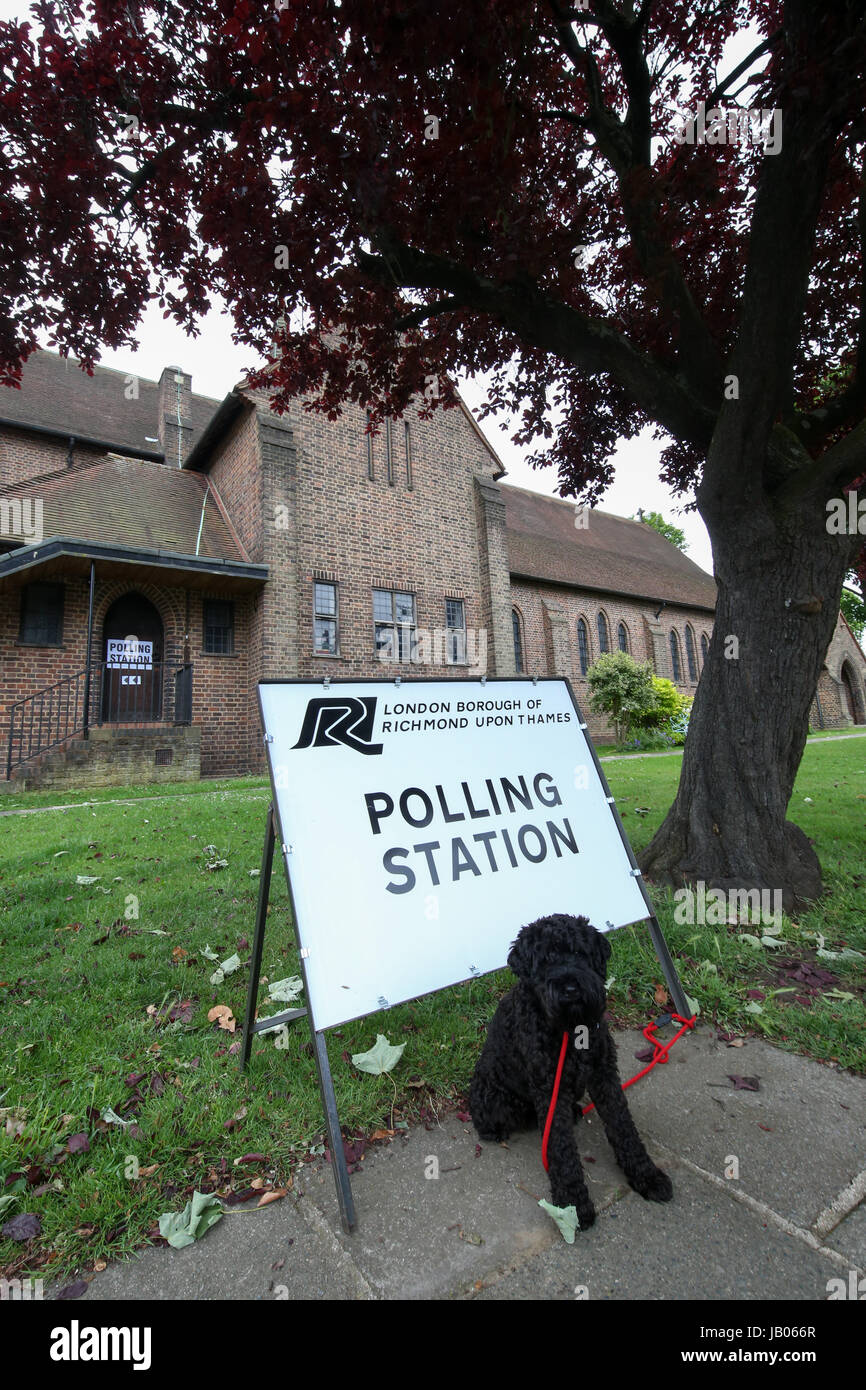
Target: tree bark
x=779 y=581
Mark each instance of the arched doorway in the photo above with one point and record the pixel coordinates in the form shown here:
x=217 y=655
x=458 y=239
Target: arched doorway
x=852 y=696
x=132 y=645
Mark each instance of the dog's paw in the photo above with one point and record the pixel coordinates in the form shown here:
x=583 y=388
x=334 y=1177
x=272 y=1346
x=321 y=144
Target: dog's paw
x=581 y=1203
x=586 y=1216
x=653 y=1185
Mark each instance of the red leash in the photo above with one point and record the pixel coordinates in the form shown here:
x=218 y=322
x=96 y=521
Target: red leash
x=660 y=1054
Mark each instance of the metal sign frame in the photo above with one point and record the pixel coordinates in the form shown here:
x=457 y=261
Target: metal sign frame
x=273 y=835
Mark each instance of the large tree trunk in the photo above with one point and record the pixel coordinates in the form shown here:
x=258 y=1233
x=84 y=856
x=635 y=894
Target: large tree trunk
x=779 y=582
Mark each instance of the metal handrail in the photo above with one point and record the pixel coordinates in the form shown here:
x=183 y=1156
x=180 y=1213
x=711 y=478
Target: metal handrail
x=50 y=716
x=45 y=727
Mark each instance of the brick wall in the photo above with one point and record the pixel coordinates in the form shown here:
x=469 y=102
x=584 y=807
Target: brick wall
x=845 y=662
x=26 y=455
x=298 y=490
x=221 y=684
x=549 y=616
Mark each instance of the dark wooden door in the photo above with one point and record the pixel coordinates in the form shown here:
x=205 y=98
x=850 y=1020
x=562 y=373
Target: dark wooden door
x=132 y=652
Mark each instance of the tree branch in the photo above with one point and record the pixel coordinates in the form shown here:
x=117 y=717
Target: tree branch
x=427 y=311
x=594 y=347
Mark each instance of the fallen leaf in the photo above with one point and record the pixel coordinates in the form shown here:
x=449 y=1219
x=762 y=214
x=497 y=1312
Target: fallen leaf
x=73 y=1290
x=273 y=1196
x=565 y=1218
x=380 y=1058
x=24 y=1226
x=181 y=1228
x=745 y=1083
x=222 y=1014
x=285 y=991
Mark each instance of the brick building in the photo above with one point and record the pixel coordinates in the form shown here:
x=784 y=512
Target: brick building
x=205 y=545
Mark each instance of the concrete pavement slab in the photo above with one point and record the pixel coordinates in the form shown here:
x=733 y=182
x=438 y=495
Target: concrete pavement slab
x=799 y=1140
x=273 y=1253
x=703 y=1245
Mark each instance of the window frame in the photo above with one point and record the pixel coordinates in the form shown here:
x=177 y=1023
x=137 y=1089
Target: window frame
x=584 y=650
x=322 y=617
x=603 y=639
x=691 y=654
x=207 y=626
x=28 y=639
x=456 y=659
x=396 y=627
x=517 y=639
x=676 y=657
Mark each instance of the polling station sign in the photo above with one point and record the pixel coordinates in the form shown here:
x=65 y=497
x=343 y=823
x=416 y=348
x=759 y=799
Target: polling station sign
x=424 y=822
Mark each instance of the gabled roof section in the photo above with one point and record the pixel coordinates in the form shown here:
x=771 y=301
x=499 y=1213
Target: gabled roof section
x=129 y=502
x=241 y=394
x=609 y=554
x=57 y=395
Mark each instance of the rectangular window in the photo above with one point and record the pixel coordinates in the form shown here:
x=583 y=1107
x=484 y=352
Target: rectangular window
x=408 y=442
x=325 y=618
x=42 y=615
x=219 y=628
x=389 y=453
x=455 y=637
x=394 y=624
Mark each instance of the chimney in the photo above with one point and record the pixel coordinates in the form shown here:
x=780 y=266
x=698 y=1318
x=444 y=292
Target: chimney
x=175 y=415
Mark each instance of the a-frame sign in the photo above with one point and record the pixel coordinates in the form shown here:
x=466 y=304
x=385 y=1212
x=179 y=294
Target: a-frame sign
x=422 y=823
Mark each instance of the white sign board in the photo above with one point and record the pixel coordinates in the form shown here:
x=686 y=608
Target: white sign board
x=427 y=822
x=123 y=654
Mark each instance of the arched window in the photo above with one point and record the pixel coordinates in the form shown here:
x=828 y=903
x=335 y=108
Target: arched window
x=603 y=643
x=583 y=646
x=675 y=659
x=622 y=637
x=518 y=641
x=691 y=653
x=705 y=647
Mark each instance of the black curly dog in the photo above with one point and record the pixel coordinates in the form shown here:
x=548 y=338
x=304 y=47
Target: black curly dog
x=560 y=964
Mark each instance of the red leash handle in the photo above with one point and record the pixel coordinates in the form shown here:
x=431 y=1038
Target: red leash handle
x=660 y=1055
x=661 y=1050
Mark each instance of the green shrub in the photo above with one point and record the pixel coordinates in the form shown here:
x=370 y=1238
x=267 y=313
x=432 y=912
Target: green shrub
x=622 y=689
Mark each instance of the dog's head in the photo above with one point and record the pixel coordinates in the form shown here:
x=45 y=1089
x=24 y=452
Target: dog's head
x=564 y=960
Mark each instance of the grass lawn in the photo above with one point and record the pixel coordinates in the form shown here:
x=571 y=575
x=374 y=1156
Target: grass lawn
x=106 y=994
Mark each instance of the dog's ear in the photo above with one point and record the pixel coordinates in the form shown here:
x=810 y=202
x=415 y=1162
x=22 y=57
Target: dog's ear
x=602 y=952
x=520 y=956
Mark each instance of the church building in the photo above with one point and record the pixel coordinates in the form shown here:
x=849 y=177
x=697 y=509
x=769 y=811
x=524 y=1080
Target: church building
x=161 y=552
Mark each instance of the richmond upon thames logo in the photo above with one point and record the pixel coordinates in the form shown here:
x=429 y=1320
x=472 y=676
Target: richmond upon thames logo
x=343 y=719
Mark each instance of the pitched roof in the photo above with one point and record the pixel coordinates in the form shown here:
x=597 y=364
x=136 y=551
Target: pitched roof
x=130 y=502
x=610 y=553
x=56 y=394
